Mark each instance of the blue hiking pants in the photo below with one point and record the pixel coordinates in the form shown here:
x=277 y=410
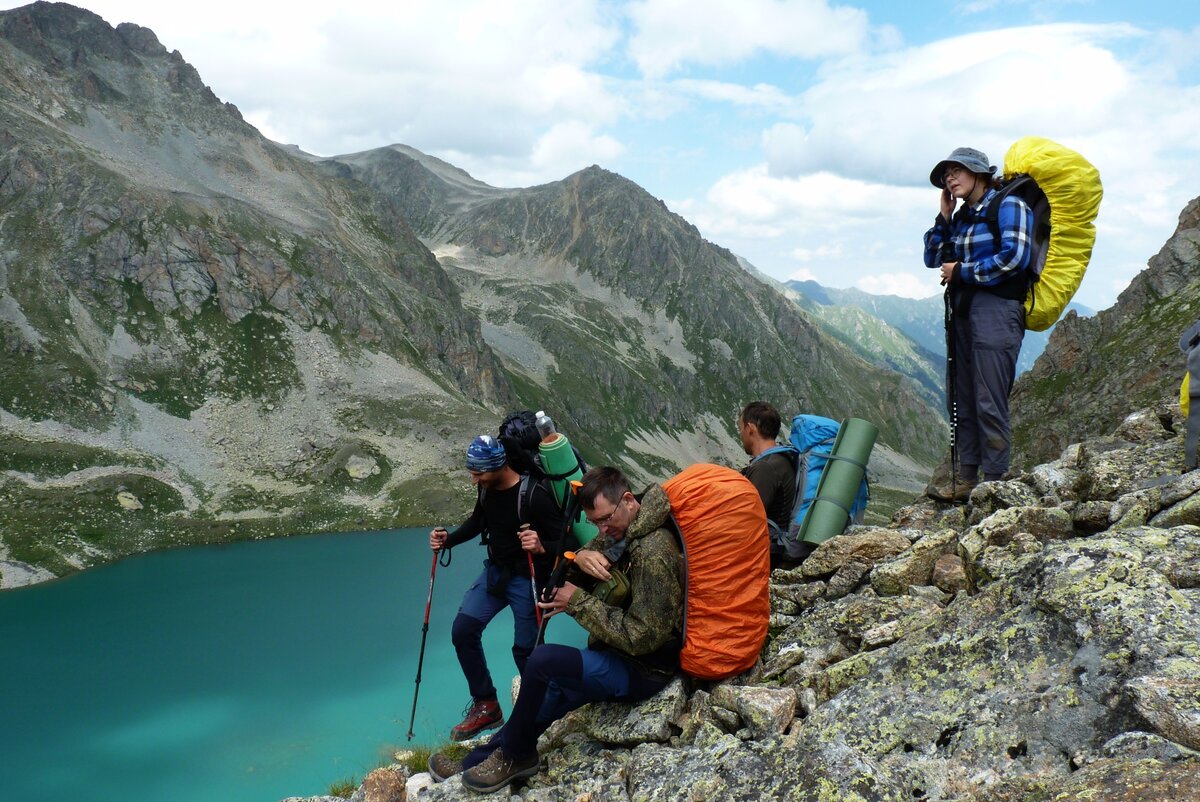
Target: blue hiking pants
x=479 y=607
x=987 y=341
x=556 y=680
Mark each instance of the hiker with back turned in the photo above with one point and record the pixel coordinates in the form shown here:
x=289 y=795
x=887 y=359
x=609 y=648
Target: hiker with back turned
x=987 y=278
x=772 y=469
x=515 y=515
x=634 y=634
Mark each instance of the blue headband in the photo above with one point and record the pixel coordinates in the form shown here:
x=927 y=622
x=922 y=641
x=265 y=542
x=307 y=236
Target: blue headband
x=485 y=454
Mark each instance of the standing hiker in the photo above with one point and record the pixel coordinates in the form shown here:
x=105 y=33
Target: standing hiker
x=507 y=501
x=635 y=636
x=986 y=280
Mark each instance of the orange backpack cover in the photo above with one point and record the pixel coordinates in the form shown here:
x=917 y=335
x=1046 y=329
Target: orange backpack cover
x=726 y=550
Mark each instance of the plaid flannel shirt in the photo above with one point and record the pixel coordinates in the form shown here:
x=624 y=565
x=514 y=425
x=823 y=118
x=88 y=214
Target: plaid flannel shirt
x=972 y=243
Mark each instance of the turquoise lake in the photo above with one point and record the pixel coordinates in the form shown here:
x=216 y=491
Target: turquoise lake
x=241 y=673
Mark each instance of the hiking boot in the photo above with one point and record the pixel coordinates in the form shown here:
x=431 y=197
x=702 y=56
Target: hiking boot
x=955 y=491
x=480 y=716
x=441 y=767
x=498 y=770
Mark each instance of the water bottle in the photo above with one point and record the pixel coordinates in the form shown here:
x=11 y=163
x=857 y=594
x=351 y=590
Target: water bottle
x=544 y=425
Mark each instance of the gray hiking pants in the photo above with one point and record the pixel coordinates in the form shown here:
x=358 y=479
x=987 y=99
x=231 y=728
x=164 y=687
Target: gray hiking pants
x=987 y=339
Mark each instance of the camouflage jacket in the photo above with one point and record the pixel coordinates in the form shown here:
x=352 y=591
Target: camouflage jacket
x=650 y=629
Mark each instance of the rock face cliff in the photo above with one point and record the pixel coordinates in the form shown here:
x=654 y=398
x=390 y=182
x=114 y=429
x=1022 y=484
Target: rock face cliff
x=1094 y=369
x=1039 y=643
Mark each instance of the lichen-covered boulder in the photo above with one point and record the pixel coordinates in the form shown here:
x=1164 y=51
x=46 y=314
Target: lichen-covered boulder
x=987 y=497
x=863 y=545
x=915 y=566
x=1044 y=523
x=1110 y=474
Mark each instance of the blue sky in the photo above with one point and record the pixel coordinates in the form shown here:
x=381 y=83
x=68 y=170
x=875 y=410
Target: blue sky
x=797 y=133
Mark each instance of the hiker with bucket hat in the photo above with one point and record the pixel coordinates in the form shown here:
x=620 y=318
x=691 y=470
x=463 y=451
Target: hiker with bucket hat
x=986 y=281
x=516 y=516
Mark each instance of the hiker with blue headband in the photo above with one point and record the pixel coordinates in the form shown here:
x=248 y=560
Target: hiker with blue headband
x=515 y=516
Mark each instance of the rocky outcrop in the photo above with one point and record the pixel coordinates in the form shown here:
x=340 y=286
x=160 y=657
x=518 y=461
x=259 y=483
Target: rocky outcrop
x=1095 y=369
x=1059 y=663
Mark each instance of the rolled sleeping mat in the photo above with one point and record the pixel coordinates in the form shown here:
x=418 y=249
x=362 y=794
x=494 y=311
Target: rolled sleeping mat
x=558 y=459
x=840 y=480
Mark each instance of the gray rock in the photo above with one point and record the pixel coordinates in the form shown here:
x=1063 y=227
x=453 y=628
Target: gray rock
x=848 y=577
x=1092 y=516
x=949 y=574
x=988 y=497
x=766 y=711
x=1147 y=745
x=915 y=566
x=929 y=594
x=866 y=546
x=1053 y=480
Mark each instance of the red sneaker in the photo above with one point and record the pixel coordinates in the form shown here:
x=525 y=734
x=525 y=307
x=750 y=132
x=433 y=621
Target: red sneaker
x=480 y=716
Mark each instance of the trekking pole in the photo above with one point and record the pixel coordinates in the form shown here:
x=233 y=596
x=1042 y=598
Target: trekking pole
x=561 y=560
x=537 y=611
x=557 y=578
x=951 y=395
x=424 y=634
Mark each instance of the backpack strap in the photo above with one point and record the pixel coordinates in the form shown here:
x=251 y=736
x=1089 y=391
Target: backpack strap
x=791 y=452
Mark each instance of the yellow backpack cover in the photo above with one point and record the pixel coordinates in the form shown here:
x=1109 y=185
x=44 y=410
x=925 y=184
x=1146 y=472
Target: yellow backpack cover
x=1073 y=189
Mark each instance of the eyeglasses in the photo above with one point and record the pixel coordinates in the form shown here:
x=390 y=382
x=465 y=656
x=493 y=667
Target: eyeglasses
x=953 y=171
x=603 y=519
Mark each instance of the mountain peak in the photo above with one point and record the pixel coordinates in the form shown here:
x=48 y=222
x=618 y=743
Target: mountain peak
x=91 y=59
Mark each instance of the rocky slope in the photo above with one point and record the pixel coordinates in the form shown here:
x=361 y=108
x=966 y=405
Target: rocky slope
x=650 y=337
x=1039 y=643
x=1096 y=368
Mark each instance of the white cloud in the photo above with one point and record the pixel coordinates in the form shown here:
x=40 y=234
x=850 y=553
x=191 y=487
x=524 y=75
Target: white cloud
x=568 y=147
x=492 y=80
x=760 y=95
x=820 y=253
x=906 y=285
x=671 y=34
x=891 y=117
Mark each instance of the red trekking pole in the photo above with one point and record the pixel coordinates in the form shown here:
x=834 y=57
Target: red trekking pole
x=424 y=634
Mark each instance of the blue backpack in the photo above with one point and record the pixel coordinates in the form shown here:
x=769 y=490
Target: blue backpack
x=811 y=444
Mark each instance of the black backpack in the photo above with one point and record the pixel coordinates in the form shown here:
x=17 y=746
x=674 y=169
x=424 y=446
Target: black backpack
x=519 y=435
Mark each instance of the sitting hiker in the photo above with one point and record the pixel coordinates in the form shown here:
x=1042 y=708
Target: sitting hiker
x=633 y=648
x=772 y=469
x=507 y=501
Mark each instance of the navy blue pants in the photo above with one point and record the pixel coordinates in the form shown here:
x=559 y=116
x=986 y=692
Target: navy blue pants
x=478 y=608
x=557 y=679
x=987 y=341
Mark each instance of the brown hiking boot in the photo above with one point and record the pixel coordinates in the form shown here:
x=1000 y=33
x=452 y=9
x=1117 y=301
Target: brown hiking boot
x=498 y=770
x=480 y=716
x=953 y=491
x=442 y=767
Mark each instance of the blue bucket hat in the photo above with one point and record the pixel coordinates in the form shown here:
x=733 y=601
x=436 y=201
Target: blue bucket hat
x=974 y=160
x=485 y=454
